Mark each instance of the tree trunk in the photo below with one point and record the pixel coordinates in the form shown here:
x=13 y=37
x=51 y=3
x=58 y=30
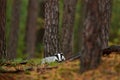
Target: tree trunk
x=92 y=45
x=79 y=29
x=106 y=10
x=95 y=37
x=51 y=36
x=42 y=9
x=30 y=36
x=13 y=39
x=67 y=25
x=2 y=29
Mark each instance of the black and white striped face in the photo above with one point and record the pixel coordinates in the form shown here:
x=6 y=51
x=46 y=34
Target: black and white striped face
x=59 y=57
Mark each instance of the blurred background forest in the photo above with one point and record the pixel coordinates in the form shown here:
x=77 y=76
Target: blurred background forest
x=39 y=28
x=114 y=27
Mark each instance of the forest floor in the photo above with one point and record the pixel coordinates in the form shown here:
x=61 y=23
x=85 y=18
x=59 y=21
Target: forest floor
x=109 y=69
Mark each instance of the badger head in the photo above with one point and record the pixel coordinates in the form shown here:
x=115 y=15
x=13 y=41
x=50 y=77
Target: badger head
x=59 y=57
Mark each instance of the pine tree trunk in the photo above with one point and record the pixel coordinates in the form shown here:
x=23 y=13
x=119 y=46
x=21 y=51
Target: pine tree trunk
x=95 y=36
x=13 y=39
x=51 y=36
x=30 y=36
x=79 y=29
x=92 y=44
x=67 y=25
x=2 y=29
x=106 y=9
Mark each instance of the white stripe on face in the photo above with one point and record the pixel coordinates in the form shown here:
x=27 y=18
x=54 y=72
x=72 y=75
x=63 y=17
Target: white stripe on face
x=59 y=57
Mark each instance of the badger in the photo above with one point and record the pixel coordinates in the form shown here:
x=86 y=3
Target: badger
x=58 y=57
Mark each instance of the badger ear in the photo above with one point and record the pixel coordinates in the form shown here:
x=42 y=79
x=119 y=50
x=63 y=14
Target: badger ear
x=61 y=53
x=56 y=55
x=63 y=58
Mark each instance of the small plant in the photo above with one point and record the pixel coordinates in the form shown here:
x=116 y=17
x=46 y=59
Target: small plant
x=35 y=61
x=53 y=64
x=2 y=61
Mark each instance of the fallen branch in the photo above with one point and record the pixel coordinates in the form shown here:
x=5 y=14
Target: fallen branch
x=10 y=63
x=105 y=52
x=74 y=57
x=114 y=48
x=16 y=70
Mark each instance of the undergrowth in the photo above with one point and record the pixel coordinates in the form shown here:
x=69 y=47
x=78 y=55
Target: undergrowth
x=109 y=69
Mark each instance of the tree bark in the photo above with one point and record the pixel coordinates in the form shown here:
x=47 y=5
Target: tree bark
x=51 y=36
x=13 y=39
x=30 y=36
x=92 y=45
x=95 y=35
x=2 y=29
x=106 y=10
x=67 y=25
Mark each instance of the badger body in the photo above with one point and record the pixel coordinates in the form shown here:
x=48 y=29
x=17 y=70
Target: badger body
x=49 y=59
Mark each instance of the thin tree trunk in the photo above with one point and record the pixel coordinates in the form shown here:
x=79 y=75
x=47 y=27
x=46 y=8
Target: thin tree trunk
x=79 y=29
x=51 y=36
x=30 y=36
x=2 y=29
x=67 y=25
x=106 y=10
x=41 y=29
x=13 y=39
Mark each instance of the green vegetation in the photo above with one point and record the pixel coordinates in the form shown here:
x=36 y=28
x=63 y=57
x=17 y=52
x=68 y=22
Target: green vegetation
x=115 y=23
